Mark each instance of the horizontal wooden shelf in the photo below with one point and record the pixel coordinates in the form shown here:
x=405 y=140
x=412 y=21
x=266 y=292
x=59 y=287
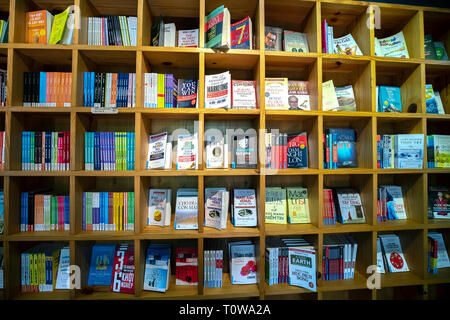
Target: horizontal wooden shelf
x=358 y=282
x=230 y=232
x=230 y=291
x=399 y=279
x=174 y=292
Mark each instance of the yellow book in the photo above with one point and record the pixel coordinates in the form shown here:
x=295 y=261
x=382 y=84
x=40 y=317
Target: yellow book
x=161 y=86
x=43 y=278
x=115 y=210
x=36 y=272
x=298 y=208
x=121 y=210
x=275 y=206
x=59 y=23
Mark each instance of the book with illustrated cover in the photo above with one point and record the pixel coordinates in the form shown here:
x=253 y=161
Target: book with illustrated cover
x=298 y=95
x=276 y=93
x=439 y=104
x=408 y=151
x=295 y=41
x=393 y=253
x=217 y=29
x=243 y=263
x=392 y=202
x=215 y=152
x=186 y=209
x=342 y=147
x=346 y=45
x=394 y=46
x=302 y=268
x=273 y=38
x=123 y=279
x=439 y=202
x=159 y=207
x=430 y=49
x=349 y=206
x=346 y=98
x=101 y=269
x=214 y=206
x=157 y=268
x=244 y=212
x=298 y=205
x=441 y=53
x=186 y=267
x=275 y=206
x=430 y=100
x=157 y=32
x=389 y=99
x=38 y=26
x=187 y=152
x=242 y=34
x=218 y=91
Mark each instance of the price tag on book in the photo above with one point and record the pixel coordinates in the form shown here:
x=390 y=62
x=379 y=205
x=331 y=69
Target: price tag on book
x=104 y=110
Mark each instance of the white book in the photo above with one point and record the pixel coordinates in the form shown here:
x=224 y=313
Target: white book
x=393 y=253
x=213 y=208
x=90 y=30
x=226 y=160
x=214 y=152
x=158 y=205
x=68 y=29
x=408 y=151
x=168 y=157
x=329 y=97
x=63 y=275
x=439 y=104
x=188 y=38
x=132 y=28
x=187 y=152
x=218 y=91
x=380 y=262
x=378 y=51
x=302 y=268
x=244 y=206
x=157 y=151
x=95 y=205
x=154 y=94
x=394 y=46
x=170 y=35
x=442 y=255
x=276 y=93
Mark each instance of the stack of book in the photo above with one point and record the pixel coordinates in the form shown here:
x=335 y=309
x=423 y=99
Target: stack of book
x=109 y=90
x=165 y=35
x=288 y=205
x=44 y=212
x=388 y=99
x=213 y=269
x=343 y=205
x=438 y=151
x=159 y=207
x=437 y=253
x=339 y=257
x=43 y=27
x=392 y=47
x=157 y=268
x=186 y=266
x=434 y=50
x=390 y=256
x=339 y=148
x=112 y=31
x=2 y=150
x=400 y=151
x=337 y=98
x=277 y=39
x=439 y=202
x=3 y=77
x=284 y=94
x=186 y=209
x=342 y=45
x=286 y=151
x=47 y=89
x=390 y=205
x=44 y=268
x=45 y=150
x=242 y=262
x=108 y=211
x=109 y=151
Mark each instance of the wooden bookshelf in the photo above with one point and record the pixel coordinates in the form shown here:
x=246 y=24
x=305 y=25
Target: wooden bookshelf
x=363 y=72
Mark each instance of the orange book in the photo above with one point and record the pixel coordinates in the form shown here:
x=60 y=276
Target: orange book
x=68 y=100
x=38 y=26
x=114 y=90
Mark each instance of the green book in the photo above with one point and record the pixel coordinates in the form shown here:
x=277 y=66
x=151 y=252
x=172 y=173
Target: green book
x=275 y=206
x=430 y=50
x=297 y=203
x=54 y=212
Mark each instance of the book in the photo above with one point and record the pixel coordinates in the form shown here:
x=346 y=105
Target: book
x=170 y=32
x=329 y=97
x=439 y=104
x=442 y=260
x=389 y=99
x=441 y=53
x=297 y=205
x=213 y=268
x=186 y=267
x=4 y=31
x=393 y=254
x=393 y=198
x=157 y=32
x=38 y=26
x=218 y=91
x=244 y=151
x=273 y=38
x=241 y=34
x=58 y=26
x=408 y=151
x=430 y=49
x=244 y=212
x=243 y=263
x=243 y=94
x=187 y=152
x=349 y=206
x=302 y=268
x=275 y=206
x=109 y=90
x=214 y=205
x=346 y=98
x=101 y=268
x=430 y=99
x=214 y=152
x=67 y=36
x=63 y=273
x=439 y=202
x=394 y=46
x=276 y=93
x=295 y=41
x=297 y=151
x=298 y=95
x=342 y=148
x=2 y=268
x=157 y=147
x=47 y=89
x=187 y=93
x=123 y=279
x=114 y=30
x=217 y=29
x=380 y=262
x=157 y=268
x=188 y=38
x=186 y=209
x=346 y=45
x=159 y=207
x=441 y=151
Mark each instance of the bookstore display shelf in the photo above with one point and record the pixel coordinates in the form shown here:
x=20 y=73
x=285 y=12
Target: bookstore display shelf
x=363 y=72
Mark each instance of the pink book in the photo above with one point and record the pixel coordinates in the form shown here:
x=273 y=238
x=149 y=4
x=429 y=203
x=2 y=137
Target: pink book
x=110 y=211
x=60 y=145
x=324 y=36
x=67 y=150
x=125 y=210
x=103 y=32
x=60 y=201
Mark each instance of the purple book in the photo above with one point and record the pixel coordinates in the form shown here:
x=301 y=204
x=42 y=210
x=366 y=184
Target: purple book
x=130 y=89
x=174 y=91
x=113 y=148
x=84 y=211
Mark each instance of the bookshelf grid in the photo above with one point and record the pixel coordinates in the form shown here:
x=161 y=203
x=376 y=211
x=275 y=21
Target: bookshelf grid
x=364 y=72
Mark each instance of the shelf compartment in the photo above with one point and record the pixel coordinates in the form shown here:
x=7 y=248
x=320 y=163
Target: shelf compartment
x=436 y=180
x=443 y=274
x=433 y=22
x=401 y=292
x=345 y=72
x=351 y=294
x=349 y=18
x=438 y=76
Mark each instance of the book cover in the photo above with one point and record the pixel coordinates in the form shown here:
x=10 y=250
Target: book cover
x=187 y=152
x=393 y=253
x=157 y=207
x=393 y=197
x=439 y=202
x=214 y=152
x=346 y=98
x=350 y=209
x=123 y=279
x=170 y=35
x=245 y=213
x=38 y=26
x=430 y=49
x=430 y=99
x=394 y=46
x=276 y=93
x=441 y=53
x=302 y=268
x=441 y=151
x=101 y=269
x=243 y=264
x=380 y=261
x=273 y=38
x=297 y=151
x=298 y=205
x=295 y=41
x=389 y=99
x=187 y=93
x=439 y=104
x=59 y=23
x=275 y=206
x=345 y=144
x=346 y=45
x=241 y=34
x=243 y=94
x=186 y=267
x=213 y=208
x=188 y=38
x=298 y=95
x=408 y=151
x=217 y=28
x=157 y=32
x=157 y=151
x=218 y=91
x=244 y=154
x=157 y=268
x=442 y=255
x=329 y=98
x=186 y=209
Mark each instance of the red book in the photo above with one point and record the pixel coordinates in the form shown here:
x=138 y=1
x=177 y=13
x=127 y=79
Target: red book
x=324 y=36
x=186 y=266
x=123 y=269
x=60 y=210
x=327 y=148
x=67 y=150
x=325 y=206
x=333 y=212
x=285 y=151
x=60 y=145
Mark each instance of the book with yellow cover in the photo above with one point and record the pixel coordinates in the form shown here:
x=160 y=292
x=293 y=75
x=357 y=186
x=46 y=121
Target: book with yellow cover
x=59 y=23
x=275 y=205
x=161 y=86
x=298 y=208
x=38 y=26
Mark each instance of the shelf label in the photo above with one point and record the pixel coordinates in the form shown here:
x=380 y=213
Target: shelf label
x=104 y=110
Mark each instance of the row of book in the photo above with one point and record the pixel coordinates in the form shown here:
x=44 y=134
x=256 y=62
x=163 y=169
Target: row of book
x=166 y=91
x=213 y=269
x=286 y=151
x=40 y=211
x=342 y=205
x=3 y=78
x=108 y=211
x=109 y=151
x=437 y=253
x=112 y=31
x=109 y=90
x=339 y=148
x=434 y=50
x=339 y=257
x=286 y=205
x=166 y=35
x=2 y=150
x=438 y=151
x=42 y=27
x=45 y=150
x=337 y=98
x=400 y=151
x=390 y=204
x=45 y=267
x=47 y=89
x=278 y=39
x=285 y=94
x=342 y=45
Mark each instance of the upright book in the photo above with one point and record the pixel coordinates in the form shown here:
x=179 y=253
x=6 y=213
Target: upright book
x=218 y=91
x=295 y=41
x=276 y=93
x=217 y=29
x=298 y=95
x=242 y=34
x=244 y=212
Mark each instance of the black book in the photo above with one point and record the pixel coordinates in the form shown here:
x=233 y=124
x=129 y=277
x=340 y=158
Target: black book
x=244 y=152
x=25 y=88
x=157 y=32
x=31 y=210
x=118 y=33
x=102 y=89
x=36 y=88
x=108 y=31
x=96 y=89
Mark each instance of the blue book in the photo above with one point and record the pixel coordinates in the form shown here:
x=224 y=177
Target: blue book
x=84 y=211
x=92 y=88
x=431 y=104
x=346 y=147
x=157 y=268
x=48 y=150
x=97 y=164
x=102 y=259
x=240 y=35
x=187 y=93
x=430 y=152
x=42 y=88
x=66 y=213
x=133 y=146
x=85 y=88
x=389 y=99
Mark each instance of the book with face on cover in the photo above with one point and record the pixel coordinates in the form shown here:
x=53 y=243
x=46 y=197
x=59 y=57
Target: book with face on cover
x=298 y=95
x=273 y=38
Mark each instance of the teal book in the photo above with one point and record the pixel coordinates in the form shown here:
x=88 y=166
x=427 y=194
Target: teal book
x=389 y=99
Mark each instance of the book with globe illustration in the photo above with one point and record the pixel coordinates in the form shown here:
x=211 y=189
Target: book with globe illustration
x=243 y=210
x=216 y=208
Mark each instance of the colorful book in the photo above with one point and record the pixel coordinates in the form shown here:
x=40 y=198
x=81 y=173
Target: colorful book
x=241 y=34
